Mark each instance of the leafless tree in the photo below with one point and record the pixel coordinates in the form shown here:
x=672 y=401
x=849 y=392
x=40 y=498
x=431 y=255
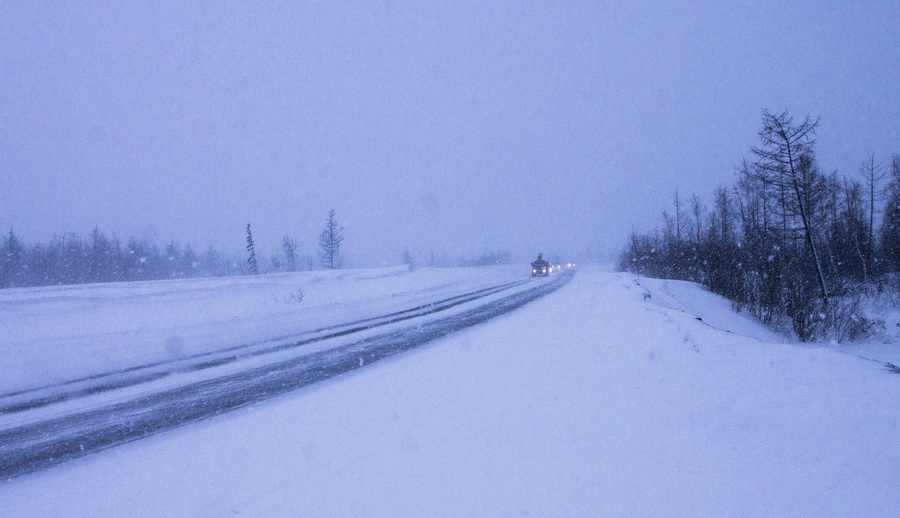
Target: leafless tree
x=669 y=223
x=251 y=260
x=890 y=227
x=722 y=218
x=873 y=173
x=330 y=243
x=697 y=210
x=680 y=217
x=786 y=153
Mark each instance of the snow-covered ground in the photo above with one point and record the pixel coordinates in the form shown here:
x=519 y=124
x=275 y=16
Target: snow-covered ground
x=54 y=334
x=611 y=396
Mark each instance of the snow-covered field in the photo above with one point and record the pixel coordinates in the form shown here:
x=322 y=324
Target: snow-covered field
x=612 y=396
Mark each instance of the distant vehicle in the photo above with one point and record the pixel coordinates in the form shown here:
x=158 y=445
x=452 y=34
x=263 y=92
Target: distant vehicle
x=540 y=267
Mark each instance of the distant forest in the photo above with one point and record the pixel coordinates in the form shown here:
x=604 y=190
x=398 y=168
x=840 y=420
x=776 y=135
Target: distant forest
x=73 y=259
x=798 y=248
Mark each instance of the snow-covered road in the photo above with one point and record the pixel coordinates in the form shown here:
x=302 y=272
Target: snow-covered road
x=44 y=426
x=612 y=396
x=255 y=373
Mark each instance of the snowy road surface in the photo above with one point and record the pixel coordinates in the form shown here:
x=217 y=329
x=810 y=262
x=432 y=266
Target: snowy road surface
x=76 y=422
x=612 y=396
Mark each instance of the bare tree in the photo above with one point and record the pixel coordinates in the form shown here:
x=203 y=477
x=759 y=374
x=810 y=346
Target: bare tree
x=251 y=261
x=669 y=222
x=697 y=210
x=848 y=233
x=872 y=173
x=330 y=243
x=680 y=217
x=757 y=194
x=721 y=220
x=786 y=152
x=890 y=227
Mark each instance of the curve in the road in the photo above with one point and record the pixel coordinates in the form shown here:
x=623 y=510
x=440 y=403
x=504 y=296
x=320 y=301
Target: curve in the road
x=104 y=382
x=43 y=444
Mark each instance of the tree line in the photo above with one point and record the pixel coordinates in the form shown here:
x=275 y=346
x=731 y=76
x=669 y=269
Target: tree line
x=796 y=247
x=73 y=259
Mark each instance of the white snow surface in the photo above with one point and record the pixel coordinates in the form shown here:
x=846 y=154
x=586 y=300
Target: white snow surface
x=55 y=334
x=613 y=396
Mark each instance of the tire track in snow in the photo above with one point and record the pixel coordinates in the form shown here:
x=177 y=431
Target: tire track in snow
x=33 y=447
x=18 y=401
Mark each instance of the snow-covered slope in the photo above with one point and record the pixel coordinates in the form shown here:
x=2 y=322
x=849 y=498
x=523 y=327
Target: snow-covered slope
x=608 y=397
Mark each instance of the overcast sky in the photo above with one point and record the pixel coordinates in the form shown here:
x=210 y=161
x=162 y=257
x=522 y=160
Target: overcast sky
x=452 y=126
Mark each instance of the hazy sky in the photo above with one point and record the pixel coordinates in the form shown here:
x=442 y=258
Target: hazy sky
x=454 y=126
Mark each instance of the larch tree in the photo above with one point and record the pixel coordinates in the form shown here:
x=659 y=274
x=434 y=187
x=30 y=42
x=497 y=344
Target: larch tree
x=786 y=153
x=330 y=243
x=873 y=173
x=252 y=265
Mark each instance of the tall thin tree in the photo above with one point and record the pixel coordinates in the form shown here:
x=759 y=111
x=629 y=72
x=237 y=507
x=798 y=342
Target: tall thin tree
x=873 y=173
x=786 y=151
x=330 y=243
x=251 y=260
